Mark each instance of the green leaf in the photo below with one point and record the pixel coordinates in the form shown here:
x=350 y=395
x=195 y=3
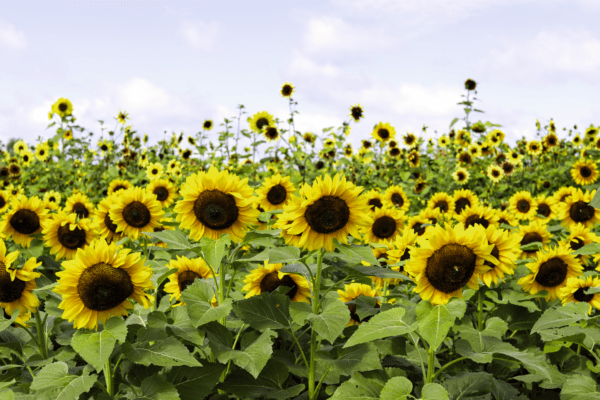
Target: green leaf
x=455 y=120
x=198 y=297
x=434 y=391
x=532 y=246
x=81 y=384
x=175 y=240
x=242 y=384
x=195 y=383
x=588 y=249
x=299 y=312
x=362 y=357
x=579 y=387
x=283 y=255
x=165 y=353
x=385 y=324
x=214 y=250
x=183 y=328
x=468 y=384
x=256 y=235
x=364 y=253
x=53 y=376
x=265 y=311
x=397 y=388
x=435 y=322
x=330 y=323
x=562 y=316
x=96 y=347
x=5 y=323
x=253 y=357
x=494 y=327
x=156 y=387
x=358 y=388
x=384 y=273
x=36 y=249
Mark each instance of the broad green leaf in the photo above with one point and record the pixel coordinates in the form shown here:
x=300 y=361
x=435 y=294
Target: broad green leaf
x=562 y=316
x=435 y=322
x=299 y=269
x=175 y=240
x=434 y=391
x=166 y=353
x=596 y=200
x=214 y=250
x=195 y=383
x=494 y=327
x=242 y=384
x=52 y=376
x=330 y=323
x=385 y=324
x=96 y=347
x=198 y=297
x=358 y=388
x=283 y=255
x=362 y=357
x=588 y=249
x=579 y=387
x=397 y=388
x=79 y=385
x=183 y=328
x=256 y=235
x=365 y=306
x=252 y=358
x=502 y=390
x=468 y=384
x=364 y=253
x=532 y=246
x=5 y=323
x=156 y=387
x=299 y=312
x=384 y=273
x=264 y=311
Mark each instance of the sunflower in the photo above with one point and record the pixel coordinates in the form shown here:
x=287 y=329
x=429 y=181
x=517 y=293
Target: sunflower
x=261 y=120
x=207 y=125
x=579 y=237
x=20 y=146
x=103 y=225
x=380 y=254
x=164 y=190
x=584 y=172
x=443 y=202
x=68 y=134
x=561 y=194
x=413 y=159
x=135 y=211
x=443 y=141
x=546 y=206
x=122 y=117
x=80 y=204
x=420 y=186
x=484 y=216
x=464 y=198
x=24 y=219
x=395 y=195
x=591 y=132
x=505 y=250
x=274 y=194
x=574 y=291
x=474 y=150
x=507 y=168
x=577 y=140
x=384 y=132
x=534 y=148
x=416 y=224
x=551 y=271
x=464 y=158
x=576 y=210
x=332 y=209
x=366 y=144
x=27 y=158
x=283 y=222
x=309 y=137
x=271 y=134
x=487 y=148
x=495 y=173
x=357 y=112
x=65 y=233
x=550 y=140
x=536 y=231
x=118 y=184
x=386 y=226
x=447 y=259
x=53 y=196
x=267 y=278
x=401 y=250
x=4 y=201
x=287 y=89
x=154 y=171
x=215 y=203
x=514 y=157
x=351 y=292
x=374 y=199
x=17 y=285
x=187 y=271
x=522 y=205
x=461 y=176
x=98 y=283
x=62 y=107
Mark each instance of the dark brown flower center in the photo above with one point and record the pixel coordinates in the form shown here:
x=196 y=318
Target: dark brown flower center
x=581 y=211
x=375 y=203
x=552 y=272
x=327 y=215
x=384 y=227
x=580 y=296
x=102 y=287
x=81 y=210
x=271 y=132
x=406 y=255
x=119 y=187
x=523 y=206
x=397 y=199
x=9 y=290
x=286 y=90
x=356 y=112
x=63 y=107
x=450 y=267
x=2 y=201
x=186 y=278
x=461 y=176
x=161 y=192
x=25 y=222
x=261 y=122
x=531 y=237
x=71 y=239
x=577 y=243
x=216 y=209
x=276 y=195
x=271 y=282
x=442 y=205
x=585 y=171
x=495 y=253
x=109 y=224
x=543 y=209
x=461 y=204
x=383 y=133
x=136 y=214
x=476 y=219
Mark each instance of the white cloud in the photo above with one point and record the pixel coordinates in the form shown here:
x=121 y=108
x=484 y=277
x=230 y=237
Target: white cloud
x=140 y=95
x=11 y=37
x=200 y=35
x=302 y=66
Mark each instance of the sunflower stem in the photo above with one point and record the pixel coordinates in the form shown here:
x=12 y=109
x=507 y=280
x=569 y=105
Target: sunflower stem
x=480 y=310
x=430 y=364
x=109 y=381
x=222 y=289
x=313 y=335
x=41 y=333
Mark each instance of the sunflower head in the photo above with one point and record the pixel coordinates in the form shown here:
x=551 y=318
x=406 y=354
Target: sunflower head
x=65 y=233
x=522 y=205
x=384 y=132
x=267 y=278
x=387 y=224
x=275 y=192
x=585 y=172
x=357 y=112
x=24 y=219
x=574 y=291
x=135 y=211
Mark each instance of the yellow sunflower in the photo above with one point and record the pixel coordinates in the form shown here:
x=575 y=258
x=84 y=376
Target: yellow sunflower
x=215 y=203
x=81 y=205
x=416 y=224
x=154 y=171
x=4 y=201
x=52 y=196
x=464 y=198
x=443 y=141
x=484 y=216
x=536 y=231
x=103 y=225
x=495 y=173
x=443 y=202
x=25 y=218
x=27 y=158
x=561 y=194
x=118 y=184
x=576 y=210
x=461 y=176
x=546 y=206
x=447 y=259
x=585 y=172
x=522 y=205
x=574 y=291
x=514 y=157
x=401 y=251
x=384 y=132
x=287 y=89
x=283 y=222
x=261 y=120
x=62 y=107
x=374 y=199
x=20 y=146
x=579 y=237
x=68 y=134
x=98 y=283
x=351 y=292
x=135 y=211
x=332 y=209
x=534 y=148
x=164 y=190
x=187 y=271
x=275 y=192
x=395 y=195
x=64 y=234
x=267 y=278
x=505 y=217
x=413 y=158
x=463 y=138
x=387 y=224
x=551 y=271
x=505 y=250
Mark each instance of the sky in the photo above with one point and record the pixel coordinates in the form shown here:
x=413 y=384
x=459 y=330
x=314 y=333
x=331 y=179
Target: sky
x=173 y=64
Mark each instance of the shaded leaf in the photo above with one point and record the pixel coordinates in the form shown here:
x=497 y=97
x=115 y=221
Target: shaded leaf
x=330 y=323
x=265 y=311
x=96 y=347
x=397 y=388
x=385 y=324
x=166 y=353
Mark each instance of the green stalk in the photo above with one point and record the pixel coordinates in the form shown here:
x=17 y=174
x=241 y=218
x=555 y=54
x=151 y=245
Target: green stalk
x=480 y=310
x=41 y=333
x=446 y=366
x=109 y=381
x=222 y=290
x=430 y=364
x=313 y=335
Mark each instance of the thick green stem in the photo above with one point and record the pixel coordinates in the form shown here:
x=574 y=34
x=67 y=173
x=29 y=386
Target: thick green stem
x=480 y=310
x=430 y=364
x=313 y=335
x=109 y=380
x=41 y=333
x=222 y=289
x=446 y=366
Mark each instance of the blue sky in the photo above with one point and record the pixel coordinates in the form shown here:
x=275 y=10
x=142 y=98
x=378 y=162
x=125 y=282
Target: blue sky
x=173 y=64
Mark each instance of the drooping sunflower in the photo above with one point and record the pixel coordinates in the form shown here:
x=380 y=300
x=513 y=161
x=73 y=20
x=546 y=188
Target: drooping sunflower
x=484 y=216
x=81 y=205
x=260 y=120
x=584 y=172
x=576 y=210
x=574 y=291
x=505 y=250
x=333 y=208
x=461 y=176
x=464 y=198
x=495 y=173
x=4 y=201
x=579 y=237
x=135 y=211
x=103 y=225
x=271 y=133
x=25 y=217
x=551 y=271
x=351 y=292
x=187 y=271
x=62 y=107
x=447 y=259
x=64 y=234
x=443 y=202
x=275 y=192
x=214 y=203
x=154 y=171
x=357 y=112
x=384 y=132
x=536 y=231
x=546 y=206
x=522 y=205
x=99 y=282
x=420 y=186
x=267 y=278
x=309 y=137
x=164 y=190
x=387 y=224
x=395 y=195
x=118 y=184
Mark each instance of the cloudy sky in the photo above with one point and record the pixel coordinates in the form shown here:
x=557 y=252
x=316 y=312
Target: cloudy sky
x=173 y=64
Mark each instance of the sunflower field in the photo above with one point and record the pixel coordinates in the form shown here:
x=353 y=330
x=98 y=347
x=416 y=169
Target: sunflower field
x=456 y=267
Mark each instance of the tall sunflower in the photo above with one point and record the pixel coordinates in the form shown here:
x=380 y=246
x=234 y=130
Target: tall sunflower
x=275 y=192
x=522 y=205
x=481 y=215
x=357 y=112
x=443 y=202
x=550 y=272
x=332 y=209
x=62 y=107
x=65 y=233
x=25 y=218
x=353 y=291
x=287 y=89
x=283 y=222
x=447 y=259
x=384 y=132
x=261 y=120
x=505 y=250
x=387 y=224
x=579 y=237
x=461 y=176
x=103 y=225
x=135 y=211
x=118 y=184
x=576 y=210
x=99 y=282
x=267 y=278
x=561 y=194
x=395 y=195
x=546 y=206
x=574 y=292
x=164 y=190
x=187 y=271
x=215 y=203
x=585 y=172
x=81 y=205
x=464 y=198
x=154 y=171
x=495 y=173
x=536 y=231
